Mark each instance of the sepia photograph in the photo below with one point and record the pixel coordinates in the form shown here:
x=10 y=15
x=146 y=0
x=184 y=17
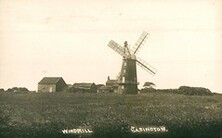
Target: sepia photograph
x=110 y=69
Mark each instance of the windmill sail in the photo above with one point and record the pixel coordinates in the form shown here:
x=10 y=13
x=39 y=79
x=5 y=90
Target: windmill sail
x=127 y=78
x=143 y=64
x=140 y=42
x=118 y=48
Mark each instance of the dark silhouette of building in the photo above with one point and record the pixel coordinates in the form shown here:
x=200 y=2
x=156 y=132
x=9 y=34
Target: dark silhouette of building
x=85 y=87
x=52 y=84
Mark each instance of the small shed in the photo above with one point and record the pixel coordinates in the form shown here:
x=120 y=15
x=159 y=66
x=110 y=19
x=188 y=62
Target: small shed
x=85 y=87
x=52 y=84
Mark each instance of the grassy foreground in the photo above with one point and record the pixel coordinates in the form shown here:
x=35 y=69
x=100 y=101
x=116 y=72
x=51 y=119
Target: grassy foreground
x=109 y=115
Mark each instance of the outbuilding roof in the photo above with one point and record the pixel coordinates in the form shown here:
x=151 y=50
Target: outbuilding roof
x=105 y=87
x=50 y=80
x=83 y=85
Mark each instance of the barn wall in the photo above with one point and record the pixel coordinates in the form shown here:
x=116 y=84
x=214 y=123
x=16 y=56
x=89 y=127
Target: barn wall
x=61 y=85
x=46 y=88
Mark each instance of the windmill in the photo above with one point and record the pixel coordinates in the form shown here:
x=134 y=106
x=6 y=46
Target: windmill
x=127 y=78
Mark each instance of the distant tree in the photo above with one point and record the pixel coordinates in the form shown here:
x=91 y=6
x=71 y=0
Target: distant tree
x=9 y=90
x=149 y=85
x=20 y=89
x=187 y=90
x=2 y=90
x=17 y=89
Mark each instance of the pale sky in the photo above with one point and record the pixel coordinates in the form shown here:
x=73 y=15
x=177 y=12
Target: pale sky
x=68 y=38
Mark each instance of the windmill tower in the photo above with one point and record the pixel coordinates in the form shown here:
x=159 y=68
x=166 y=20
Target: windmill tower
x=127 y=78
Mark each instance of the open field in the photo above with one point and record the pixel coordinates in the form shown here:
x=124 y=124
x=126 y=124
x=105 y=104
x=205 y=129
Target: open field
x=109 y=115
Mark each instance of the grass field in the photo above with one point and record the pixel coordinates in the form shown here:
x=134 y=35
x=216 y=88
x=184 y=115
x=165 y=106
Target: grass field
x=109 y=115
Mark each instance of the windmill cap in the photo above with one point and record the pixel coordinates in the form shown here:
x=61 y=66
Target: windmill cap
x=133 y=56
x=125 y=43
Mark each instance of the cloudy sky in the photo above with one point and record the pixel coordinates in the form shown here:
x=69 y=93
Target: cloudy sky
x=69 y=38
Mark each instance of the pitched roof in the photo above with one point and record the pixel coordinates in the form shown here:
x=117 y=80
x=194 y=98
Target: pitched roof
x=50 y=80
x=83 y=85
x=111 y=81
x=105 y=87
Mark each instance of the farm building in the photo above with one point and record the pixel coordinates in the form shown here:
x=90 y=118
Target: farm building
x=85 y=87
x=105 y=89
x=52 y=84
x=113 y=84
